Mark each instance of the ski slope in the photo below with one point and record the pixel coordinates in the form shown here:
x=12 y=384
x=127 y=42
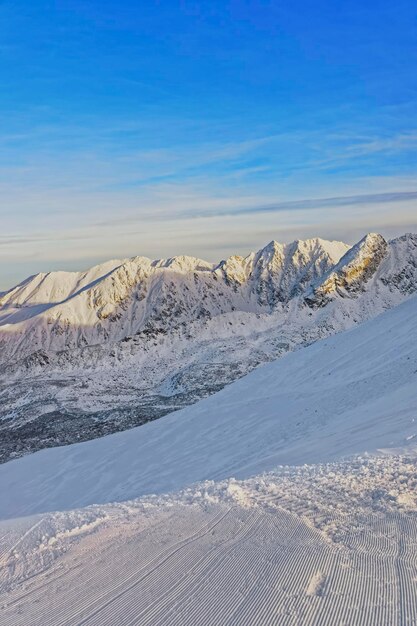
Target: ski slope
x=352 y=393
x=320 y=545
x=239 y=510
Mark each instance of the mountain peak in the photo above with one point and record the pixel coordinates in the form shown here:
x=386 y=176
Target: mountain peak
x=351 y=273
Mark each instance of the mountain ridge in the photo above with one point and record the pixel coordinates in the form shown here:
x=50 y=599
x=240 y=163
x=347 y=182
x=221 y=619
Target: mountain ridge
x=154 y=336
x=106 y=292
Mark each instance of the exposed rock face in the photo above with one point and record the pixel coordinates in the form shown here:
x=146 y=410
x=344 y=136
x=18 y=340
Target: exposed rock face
x=280 y=272
x=351 y=273
x=401 y=273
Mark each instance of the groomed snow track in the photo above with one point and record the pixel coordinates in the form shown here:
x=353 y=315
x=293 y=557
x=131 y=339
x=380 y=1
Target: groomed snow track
x=234 y=553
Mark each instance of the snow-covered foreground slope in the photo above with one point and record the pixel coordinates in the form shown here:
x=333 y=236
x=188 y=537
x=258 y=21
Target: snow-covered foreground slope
x=278 y=530
x=318 y=545
x=351 y=393
x=182 y=330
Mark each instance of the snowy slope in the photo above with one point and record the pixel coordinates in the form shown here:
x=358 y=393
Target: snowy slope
x=321 y=545
x=351 y=393
x=42 y=291
x=323 y=542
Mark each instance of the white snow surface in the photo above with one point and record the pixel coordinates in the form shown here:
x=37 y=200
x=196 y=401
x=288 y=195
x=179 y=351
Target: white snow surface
x=332 y=544
x=352 y=393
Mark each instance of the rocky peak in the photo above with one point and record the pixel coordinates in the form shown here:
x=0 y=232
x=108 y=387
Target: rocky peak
x=401 y=270
x=234 y=270
x=282 y=271
x=351 y=273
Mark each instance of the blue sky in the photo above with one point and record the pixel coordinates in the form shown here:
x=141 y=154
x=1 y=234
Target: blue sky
x=205 y=128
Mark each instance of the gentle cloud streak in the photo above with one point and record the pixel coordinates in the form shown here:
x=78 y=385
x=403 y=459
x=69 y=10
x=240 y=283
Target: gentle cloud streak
x=224 y=226
x=68 y=209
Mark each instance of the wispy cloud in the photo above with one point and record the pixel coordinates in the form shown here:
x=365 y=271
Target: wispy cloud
x=312 y=203
x=95 y=200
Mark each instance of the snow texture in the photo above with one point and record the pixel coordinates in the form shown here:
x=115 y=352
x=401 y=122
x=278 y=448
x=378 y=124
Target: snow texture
x=332 y=544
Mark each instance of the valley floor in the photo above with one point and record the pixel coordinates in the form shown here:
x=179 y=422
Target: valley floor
x=320 y=544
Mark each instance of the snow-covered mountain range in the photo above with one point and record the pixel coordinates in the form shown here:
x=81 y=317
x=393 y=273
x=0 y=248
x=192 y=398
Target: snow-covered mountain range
x=85 y=354
x=64 y=310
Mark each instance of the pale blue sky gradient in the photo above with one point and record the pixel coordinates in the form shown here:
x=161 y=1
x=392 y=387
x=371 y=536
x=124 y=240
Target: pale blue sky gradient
x=204 y=128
